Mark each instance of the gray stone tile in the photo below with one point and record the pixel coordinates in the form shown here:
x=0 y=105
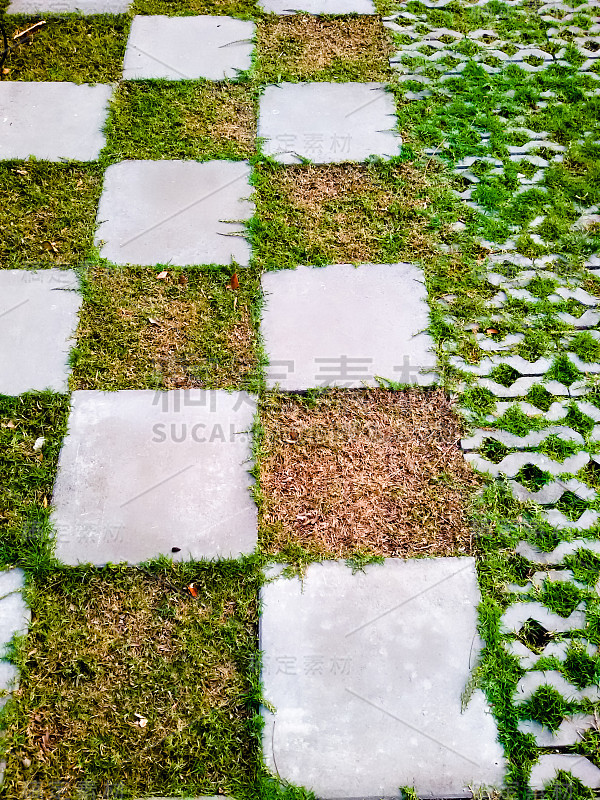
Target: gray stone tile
x=38 y=317
x=517 y=615
x=319 y=6
x=52 y=121
x=180 y=48
x=366 y=673
x=344 y=326
x=68 y=7
x=548 y=766
x=14 y=618
x=142 y=473
x=327 y=122
x=175 y=212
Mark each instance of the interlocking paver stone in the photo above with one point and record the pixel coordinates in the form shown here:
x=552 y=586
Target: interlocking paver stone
x=344 y=326
x=52 y=121
x=327 y=122
x=366 y=673
x=319 y=6
x=38 y=316
x=144 y=473
x=175 y=212
x=188 y=47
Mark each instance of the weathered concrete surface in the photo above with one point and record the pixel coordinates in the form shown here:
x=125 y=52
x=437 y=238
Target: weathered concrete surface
x=366 y=674
x=145 y=473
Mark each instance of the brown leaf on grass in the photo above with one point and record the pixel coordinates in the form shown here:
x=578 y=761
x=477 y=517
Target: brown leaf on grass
x=234 y=283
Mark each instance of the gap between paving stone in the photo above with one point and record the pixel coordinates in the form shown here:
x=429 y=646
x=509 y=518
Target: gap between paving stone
x=175 y=212
x=38 y=317
x=144 y=473
x=343 y=325
x=179 y=48
x=54 y=121
x=366 y=671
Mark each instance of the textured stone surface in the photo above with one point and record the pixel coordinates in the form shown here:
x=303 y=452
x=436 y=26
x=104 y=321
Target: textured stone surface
x=366 y=673
x=549 y=765
x=52 y=121
x=343 y=325
x=531 y=682
x=560 y=552
x=68 y=7
x=143 y=472
x=569 y=732
x=319 y=6
x=181 y=48
x=516 y=615
x=38 y=316
x=327 y=122
x=175 y=212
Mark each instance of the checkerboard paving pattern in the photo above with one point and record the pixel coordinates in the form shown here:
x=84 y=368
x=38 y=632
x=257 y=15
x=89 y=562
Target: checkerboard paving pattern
x=367 y=670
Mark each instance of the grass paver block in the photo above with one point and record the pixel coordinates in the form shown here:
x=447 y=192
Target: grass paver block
x=319 y=6
x=68 y=7
x=14 y=621
x=38 y=317
x=176 y=212
x=366 y=673
x=180 y=48
x=327 y=122
x=344 y=326
x=145 y=473
x=54 y=121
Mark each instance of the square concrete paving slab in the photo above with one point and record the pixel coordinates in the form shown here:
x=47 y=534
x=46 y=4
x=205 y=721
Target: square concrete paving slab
x=175 y=212
x=328 y=122
x=180 y=48
x=38 y=317
x=319 y=6
x=68 y=7
x=366 y=673
x=145 y=473
x=52 y=121
x=345 y=326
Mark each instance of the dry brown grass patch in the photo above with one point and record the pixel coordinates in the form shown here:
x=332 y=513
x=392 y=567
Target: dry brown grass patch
x=365 y=470
x=302 y=46
x=343 y=213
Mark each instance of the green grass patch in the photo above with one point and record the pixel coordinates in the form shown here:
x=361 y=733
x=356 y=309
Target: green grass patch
x=129 y=682
x=167 y=329
x=27 y=474
x=47 y=212
x=182 y=119
x=244 y=9
x=70 y=47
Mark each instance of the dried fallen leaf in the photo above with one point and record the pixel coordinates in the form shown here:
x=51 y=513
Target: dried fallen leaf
x=162 y=275
x=235 y=283
x=183 y=279
x=45 y=502
x=192 y=590
x=491 y=331
x=39 y=443
x=9 y=424
x=153 y=321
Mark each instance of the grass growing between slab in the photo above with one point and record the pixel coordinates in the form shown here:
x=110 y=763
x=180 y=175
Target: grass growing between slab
x=244 y=9
x=339 y=213
x=27 y=474
x=69 y=48
x=47 y=212
x=301 y=47
x=182 y=119
x=377 y=471
x=133 y=682
x=167 y=329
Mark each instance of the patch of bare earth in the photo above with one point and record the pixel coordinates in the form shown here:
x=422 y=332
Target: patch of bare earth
x=365 y=470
